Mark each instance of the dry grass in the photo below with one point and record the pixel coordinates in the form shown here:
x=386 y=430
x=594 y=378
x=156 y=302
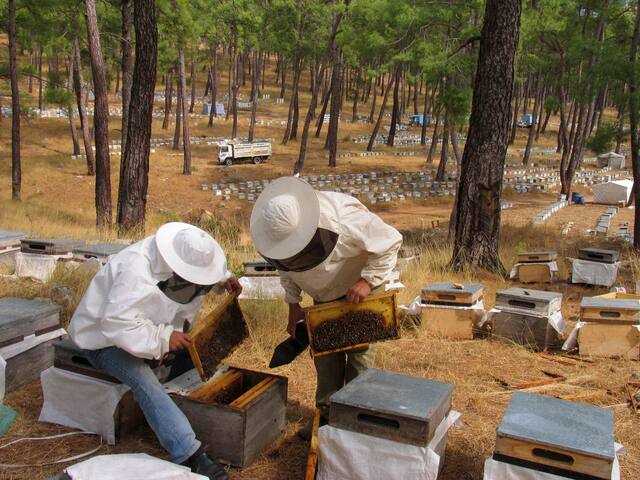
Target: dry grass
x=477 y=368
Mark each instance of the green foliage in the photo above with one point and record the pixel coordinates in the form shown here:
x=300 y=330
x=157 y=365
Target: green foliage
x=602 y=140
x=58 y=96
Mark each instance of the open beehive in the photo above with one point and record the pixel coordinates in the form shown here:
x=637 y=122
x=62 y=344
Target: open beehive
x=216 y=336
x=341 y=326
x=237 y=413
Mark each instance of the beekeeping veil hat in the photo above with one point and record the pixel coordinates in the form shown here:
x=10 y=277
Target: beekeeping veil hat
x=191 y=253
x=285 y=218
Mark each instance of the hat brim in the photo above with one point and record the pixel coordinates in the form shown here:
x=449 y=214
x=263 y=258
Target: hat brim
x=310 y=216
x=202 y=274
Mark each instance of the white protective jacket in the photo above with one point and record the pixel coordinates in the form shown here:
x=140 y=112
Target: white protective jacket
x=366 y=248
x=123 y=306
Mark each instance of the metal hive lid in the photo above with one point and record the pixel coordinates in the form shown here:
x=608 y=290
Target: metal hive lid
x=617 y=303
x=395 y=394
x=571 y=426
x=528 y=293
x=449 y=287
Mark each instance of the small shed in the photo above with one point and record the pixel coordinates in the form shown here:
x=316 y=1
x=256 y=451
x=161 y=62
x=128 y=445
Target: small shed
x=612 y=193
x=611 y=159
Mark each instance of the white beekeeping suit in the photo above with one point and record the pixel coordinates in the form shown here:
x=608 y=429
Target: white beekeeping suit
x=366 y=248
x=124 y=307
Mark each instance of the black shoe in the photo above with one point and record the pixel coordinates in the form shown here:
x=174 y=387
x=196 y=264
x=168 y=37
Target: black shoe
x=201 y=463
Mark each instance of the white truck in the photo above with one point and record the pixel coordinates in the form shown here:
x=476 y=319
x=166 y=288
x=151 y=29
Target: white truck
x=235 y=151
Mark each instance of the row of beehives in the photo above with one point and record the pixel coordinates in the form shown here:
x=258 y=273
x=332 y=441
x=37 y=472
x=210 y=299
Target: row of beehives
x=401 y=153
x=550 y=210
x=604 y=221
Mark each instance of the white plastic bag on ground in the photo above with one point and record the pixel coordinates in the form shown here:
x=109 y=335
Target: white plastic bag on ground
x=261 y=288
x=346 y=455
x=130 y=466
x=82 y=402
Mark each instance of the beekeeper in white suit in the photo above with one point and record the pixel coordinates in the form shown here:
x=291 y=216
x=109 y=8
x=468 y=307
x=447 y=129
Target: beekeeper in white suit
x=330 y=246
x=135 y=309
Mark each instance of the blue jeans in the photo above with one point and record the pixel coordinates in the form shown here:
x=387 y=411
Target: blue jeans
x=164 y=417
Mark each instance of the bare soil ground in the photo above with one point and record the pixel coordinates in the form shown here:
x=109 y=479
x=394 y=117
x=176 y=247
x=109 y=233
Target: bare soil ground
x=58 y=201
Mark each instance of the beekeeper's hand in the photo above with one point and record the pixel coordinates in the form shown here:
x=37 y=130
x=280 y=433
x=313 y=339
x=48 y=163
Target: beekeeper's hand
x=232 y=285
x=295 y=315
x=359 y=291
x=179 y=341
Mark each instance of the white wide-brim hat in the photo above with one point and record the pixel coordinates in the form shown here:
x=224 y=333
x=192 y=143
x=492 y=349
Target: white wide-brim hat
x=191 y=253
x=285 y=218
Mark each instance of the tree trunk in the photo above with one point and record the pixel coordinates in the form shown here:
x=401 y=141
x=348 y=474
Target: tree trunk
x=186 y=139
x=234 y=102
x=373 y=104
x=214 y=82
x=444 y=150
x=434 y=139
x=255 y=77
x=423 y=130
x=127 y=74
x=323 y=111
x=633 y=120
x=620 y=127
x=395 y=110
x=354 y=110
x=516 y=109
x=168 y=100
x=283 y=72
x=376 y=128
x=534 y=124
x=193 y=87
x=176 y=133
x=336 y=100
x=16 y=167
x=78 y=86
x=415 y=97
x=297 y=67
x=40 y=79
x=132 y=196
x=100 y=119
x=478 y=209
x=72 y=117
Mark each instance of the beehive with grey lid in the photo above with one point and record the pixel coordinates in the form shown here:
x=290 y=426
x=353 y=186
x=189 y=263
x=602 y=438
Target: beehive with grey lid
x=532 y=331
x=259 y=268
x=448 y=293
x=21 y=318
x=598 y=255
x=100 y=251
x=535 y=257
x=49 y=246
x=10 y=240
x=610 y=310
x=535 y=302
x=389 y=405
x=545 y=433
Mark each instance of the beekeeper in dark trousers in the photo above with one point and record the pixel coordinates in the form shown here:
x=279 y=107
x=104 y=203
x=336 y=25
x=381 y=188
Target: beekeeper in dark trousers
x=135 y=309
x=330 y=246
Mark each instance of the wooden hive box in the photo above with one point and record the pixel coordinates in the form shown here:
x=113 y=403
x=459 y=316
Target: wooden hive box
x=454 y=323
x=341 y=326
x=598 y=255
x=100 y=252
x=532 y=331
x=537 y=257
x=614 y=309
x=535 y=302
x=448 y=293
x=259 y=268
x=237 y=414
x=20 y=318
x=610 y=340
x=566 y=438
x=68 y=356
x=389 y=405
x=49 y=246
x=535 y=273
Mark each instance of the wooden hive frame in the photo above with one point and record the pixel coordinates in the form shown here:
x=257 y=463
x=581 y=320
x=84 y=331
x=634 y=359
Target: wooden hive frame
x=383 y=303
x=312 y=458
x=206 y=328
